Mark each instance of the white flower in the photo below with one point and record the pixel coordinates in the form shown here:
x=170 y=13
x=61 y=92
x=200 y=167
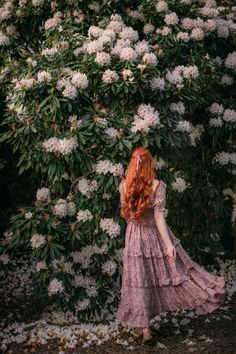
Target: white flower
x=216 y=122
x=109 y=76
x=28 y=215
x=82 y=305
x=37 y=240
x=60 y=208
x=226 y=80
x=80 y=80
x=49 y=52
x=161 y=6
x=106 y=166
x=128 y=54
x=146 y=119
x=86 y=187
x=94 y=31
x=52 y=22
x=116 y=25
x=230 y=61
x=37 y=2
x=44 y=76
x=150 y=59
x=179 y=185
x=127 y=74
x=224 y=158
x=31 y=62
x=65 y=146
x=159 y=163
x=229 y=115
x=55 y=286
x=157 y=83
x=183 y=126
x=148 y=28
x=197 y=34
x=109 y=267
x=91 y=291
x=182 y=36
x=43 y=194
x=111 y=132
x=171 y=19
x=24 y=83
x=178 y=107
x=129 y=33
x=70 y=91
x=142 y=47
x=216 y=109
x=94 y=46
x=84 y=215
x=103 y=58
x=41 y=265
x=110 y=226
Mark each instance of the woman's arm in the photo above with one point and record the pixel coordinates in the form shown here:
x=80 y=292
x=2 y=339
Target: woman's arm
x=162 y=227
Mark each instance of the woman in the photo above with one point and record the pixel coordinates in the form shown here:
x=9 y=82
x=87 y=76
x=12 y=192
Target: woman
x=158 y=275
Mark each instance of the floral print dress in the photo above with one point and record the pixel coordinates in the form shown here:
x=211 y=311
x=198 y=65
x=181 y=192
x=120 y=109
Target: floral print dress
x=152 y=282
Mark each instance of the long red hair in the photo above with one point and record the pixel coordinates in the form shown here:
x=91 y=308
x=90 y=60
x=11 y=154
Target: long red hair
x=138 y=184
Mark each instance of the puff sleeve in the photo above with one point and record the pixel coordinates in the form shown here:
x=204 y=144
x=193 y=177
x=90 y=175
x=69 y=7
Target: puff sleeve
x=121 y=190
x=160 y=198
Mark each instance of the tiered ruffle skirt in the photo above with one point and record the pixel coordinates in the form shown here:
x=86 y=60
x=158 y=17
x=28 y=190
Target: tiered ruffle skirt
x=153 y=283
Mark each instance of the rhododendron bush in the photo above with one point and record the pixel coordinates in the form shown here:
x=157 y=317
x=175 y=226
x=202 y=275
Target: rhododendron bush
x=86 y=82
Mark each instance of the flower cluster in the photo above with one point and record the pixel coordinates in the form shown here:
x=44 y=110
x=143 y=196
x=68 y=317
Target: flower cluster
x=111 y=132
x=54 y=21
x=55 y=287
x=230 y=61
x=224 y=158
x=183 y=126
x=109 y=267
x=64 y=146
x=84 y=215
x=110 y=226
x=84 y=256
x=82 y=304
x=106 y=166
x=178 y=107
x=41 y=266
x=181 y=72
x=43 y=194
x=119 y=41
x=62 y=208
x=87 y=187
x=179 y=184
x=221 y=114
x=145 y=119
x=37 y=240
x=69 y=86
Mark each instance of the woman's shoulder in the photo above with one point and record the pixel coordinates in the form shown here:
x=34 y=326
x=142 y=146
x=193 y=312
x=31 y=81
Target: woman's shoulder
x=159 y=182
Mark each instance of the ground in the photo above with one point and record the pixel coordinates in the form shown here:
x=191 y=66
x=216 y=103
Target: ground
x=211 y=334
x=26 y=326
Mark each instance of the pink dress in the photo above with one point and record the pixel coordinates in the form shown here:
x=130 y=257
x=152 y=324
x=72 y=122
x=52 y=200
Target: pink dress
x=152 y=282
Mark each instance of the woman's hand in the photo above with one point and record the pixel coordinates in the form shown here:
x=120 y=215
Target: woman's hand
x=171 y=251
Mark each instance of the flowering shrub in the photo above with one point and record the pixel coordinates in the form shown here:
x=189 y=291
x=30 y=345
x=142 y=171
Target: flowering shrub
x=86 y=86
